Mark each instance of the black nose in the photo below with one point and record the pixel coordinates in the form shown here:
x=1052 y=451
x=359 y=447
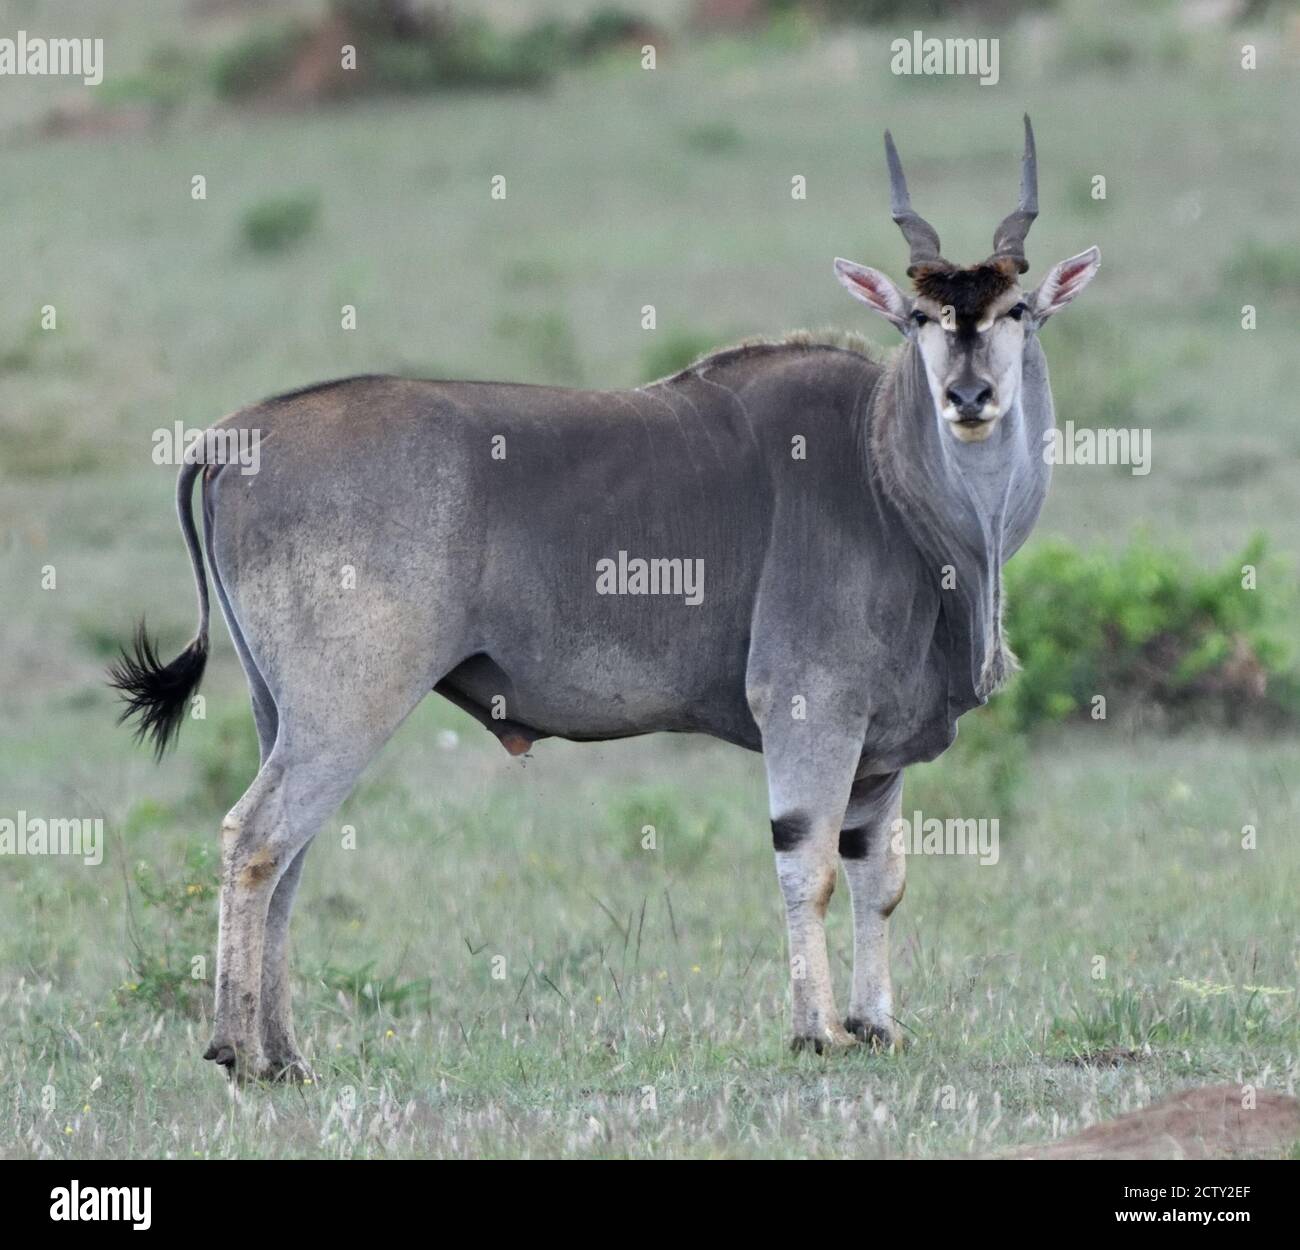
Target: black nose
x=969 y=398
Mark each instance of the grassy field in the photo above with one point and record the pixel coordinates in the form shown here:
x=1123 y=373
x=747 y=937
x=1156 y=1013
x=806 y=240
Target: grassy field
x=640 y=1003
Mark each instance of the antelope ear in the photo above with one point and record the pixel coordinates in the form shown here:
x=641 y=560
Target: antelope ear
x=1064 y=282
x=875 y=290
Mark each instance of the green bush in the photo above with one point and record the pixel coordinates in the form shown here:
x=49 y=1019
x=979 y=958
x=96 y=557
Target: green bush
x=176 y=924
x=894 y=12
x=470 y=54
x=402 y=66
x=713 y=138
x=276 y=224
x=1089 y=41
x=257 y=61
x=1144 y=627
x=605 y=28
x=431 y=53
x=875 y=12
x=475 y=54
x=169 y=76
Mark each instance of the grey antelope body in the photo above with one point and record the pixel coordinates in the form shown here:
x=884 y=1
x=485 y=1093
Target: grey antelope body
x=850 y=519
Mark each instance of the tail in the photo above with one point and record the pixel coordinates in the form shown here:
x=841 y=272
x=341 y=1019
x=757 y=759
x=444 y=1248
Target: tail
x=154 y=692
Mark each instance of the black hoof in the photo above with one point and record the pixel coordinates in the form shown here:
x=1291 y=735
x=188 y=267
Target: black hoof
x=223 y=1054
x=870 y=1034
x=823 y=1045
x=295 y=1071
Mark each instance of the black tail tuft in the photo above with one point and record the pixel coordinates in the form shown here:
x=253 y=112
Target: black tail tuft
x=154 y=692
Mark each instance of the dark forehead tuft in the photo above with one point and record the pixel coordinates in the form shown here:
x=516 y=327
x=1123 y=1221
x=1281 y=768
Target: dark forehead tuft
x=969 y=291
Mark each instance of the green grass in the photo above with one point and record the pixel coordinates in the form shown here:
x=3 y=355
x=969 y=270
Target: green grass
x=626 y=970
x=277 y=224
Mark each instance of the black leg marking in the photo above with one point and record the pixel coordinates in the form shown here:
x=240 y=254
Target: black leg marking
x=854 y=842
x=789 y=831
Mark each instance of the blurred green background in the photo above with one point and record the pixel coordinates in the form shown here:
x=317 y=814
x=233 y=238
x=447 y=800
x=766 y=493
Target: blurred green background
x=625 y=187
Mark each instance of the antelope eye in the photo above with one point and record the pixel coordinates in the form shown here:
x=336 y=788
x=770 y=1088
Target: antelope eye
x=1018 y=311
x=919 y=318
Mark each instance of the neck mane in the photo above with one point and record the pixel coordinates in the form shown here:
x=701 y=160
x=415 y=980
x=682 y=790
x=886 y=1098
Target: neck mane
x=967 y=506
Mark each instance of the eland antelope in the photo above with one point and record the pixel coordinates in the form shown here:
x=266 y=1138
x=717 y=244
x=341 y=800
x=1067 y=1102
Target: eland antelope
x=847 y=607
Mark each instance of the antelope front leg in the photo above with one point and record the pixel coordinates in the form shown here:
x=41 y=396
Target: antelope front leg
x=876 y=871
x=806 y=871
x=808 y=783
